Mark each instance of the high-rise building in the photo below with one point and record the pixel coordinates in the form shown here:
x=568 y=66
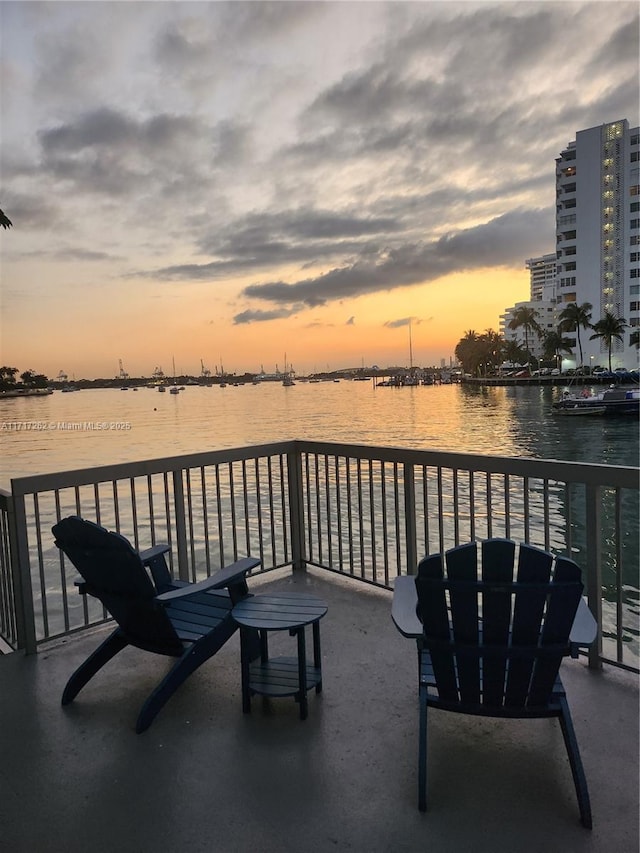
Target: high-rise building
x=543 y=277
x=542 y=301
x=598 y=232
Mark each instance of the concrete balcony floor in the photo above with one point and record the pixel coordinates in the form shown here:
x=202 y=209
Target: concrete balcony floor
x=206 y=777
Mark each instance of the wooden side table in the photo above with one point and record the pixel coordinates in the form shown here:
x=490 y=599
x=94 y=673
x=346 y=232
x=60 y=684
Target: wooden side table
x=281 y=676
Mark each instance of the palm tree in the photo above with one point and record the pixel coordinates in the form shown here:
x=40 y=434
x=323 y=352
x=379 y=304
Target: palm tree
x=465 y=350
x=554 y=345
x=609 y=328
x=527 y=318
x=513 y=352
x=574 y=317
x=493 y=347
x=5 y=222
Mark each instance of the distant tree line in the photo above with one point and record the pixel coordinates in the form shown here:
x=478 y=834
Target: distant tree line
x=481 y=354
x=29 y=379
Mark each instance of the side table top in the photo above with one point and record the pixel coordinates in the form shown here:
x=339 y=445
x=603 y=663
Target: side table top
x=278 y=611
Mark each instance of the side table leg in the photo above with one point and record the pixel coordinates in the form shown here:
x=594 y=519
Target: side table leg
x=317 y=658
x=244 y=669
x=264 y=646
x=302 y=673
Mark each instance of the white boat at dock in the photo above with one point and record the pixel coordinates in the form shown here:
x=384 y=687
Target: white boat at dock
x=614 y=401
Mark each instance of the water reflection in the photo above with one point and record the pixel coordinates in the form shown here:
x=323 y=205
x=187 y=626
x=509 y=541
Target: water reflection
x=514 y=421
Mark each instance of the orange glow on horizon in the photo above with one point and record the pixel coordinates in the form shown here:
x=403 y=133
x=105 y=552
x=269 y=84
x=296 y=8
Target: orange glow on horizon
x=149 y=325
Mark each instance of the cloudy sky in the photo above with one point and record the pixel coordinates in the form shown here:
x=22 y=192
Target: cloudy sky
x=235 y=181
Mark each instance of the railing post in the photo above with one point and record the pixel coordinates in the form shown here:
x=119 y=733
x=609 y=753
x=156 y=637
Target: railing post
x=594 y=568
x=296 y=508
x=410 y=518
x=181 y=526
x=21 y=574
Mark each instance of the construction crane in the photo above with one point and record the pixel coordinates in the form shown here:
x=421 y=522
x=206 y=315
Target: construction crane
x=204 y=371
x=123 y=374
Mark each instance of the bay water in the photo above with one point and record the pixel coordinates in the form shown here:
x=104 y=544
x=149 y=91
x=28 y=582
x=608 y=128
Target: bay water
x=85 y=428
x=66 y=431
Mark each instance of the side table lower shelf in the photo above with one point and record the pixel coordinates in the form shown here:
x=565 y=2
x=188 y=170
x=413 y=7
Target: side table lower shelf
x=279 y=677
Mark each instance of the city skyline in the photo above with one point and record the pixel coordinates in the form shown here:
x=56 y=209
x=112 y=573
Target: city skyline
x=231 y=182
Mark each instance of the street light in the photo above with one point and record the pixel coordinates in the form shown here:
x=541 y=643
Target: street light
x=591 y=366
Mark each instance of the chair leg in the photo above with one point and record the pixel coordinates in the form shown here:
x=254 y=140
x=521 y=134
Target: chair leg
x=114 y=643
x=190 y=660
x=422 y=750
x=577 y=770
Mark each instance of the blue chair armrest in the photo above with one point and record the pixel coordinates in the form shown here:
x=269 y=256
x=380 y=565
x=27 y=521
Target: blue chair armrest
x=403 y=607
x=584 y=629
x=230 y=575
x=153 y=559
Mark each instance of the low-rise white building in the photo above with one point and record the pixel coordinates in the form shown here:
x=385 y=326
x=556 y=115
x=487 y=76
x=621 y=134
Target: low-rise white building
x=529 y=339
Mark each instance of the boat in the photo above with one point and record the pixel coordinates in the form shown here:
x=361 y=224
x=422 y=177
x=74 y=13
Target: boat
x=580 y=411
x=287 y=380
x=613 y=401
x=174 y=388
x=158 y=379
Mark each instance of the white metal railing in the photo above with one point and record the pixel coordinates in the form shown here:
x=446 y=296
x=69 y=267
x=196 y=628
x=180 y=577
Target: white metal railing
x=366 y=512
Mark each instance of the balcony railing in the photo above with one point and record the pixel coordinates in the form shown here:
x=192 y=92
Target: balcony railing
x=365 y=512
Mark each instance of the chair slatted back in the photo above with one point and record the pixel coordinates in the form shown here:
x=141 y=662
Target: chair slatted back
x=113 y=572
x=497 y=640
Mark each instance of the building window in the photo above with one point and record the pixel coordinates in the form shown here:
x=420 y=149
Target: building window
x=635 y=139
x=635 y=273
x=635 y=223
x=634 y=321
x=635 y=156
x=634 y=256
x=634 y=290
x=634 y=207
x=634 y=306
x=634 y=240
x=570 y=250
x=570 y=266
x=634 y=190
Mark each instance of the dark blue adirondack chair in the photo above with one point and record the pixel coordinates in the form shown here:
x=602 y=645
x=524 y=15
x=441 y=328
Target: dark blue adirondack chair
x=190 y=622
x=492 y=644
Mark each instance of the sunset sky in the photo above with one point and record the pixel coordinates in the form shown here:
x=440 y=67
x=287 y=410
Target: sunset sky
x=235 y=181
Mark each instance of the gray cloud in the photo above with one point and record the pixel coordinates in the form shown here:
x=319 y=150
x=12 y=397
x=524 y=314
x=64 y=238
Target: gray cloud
x=232 y=139
x=504 y=241
x=257 y=316
x=398 y=324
